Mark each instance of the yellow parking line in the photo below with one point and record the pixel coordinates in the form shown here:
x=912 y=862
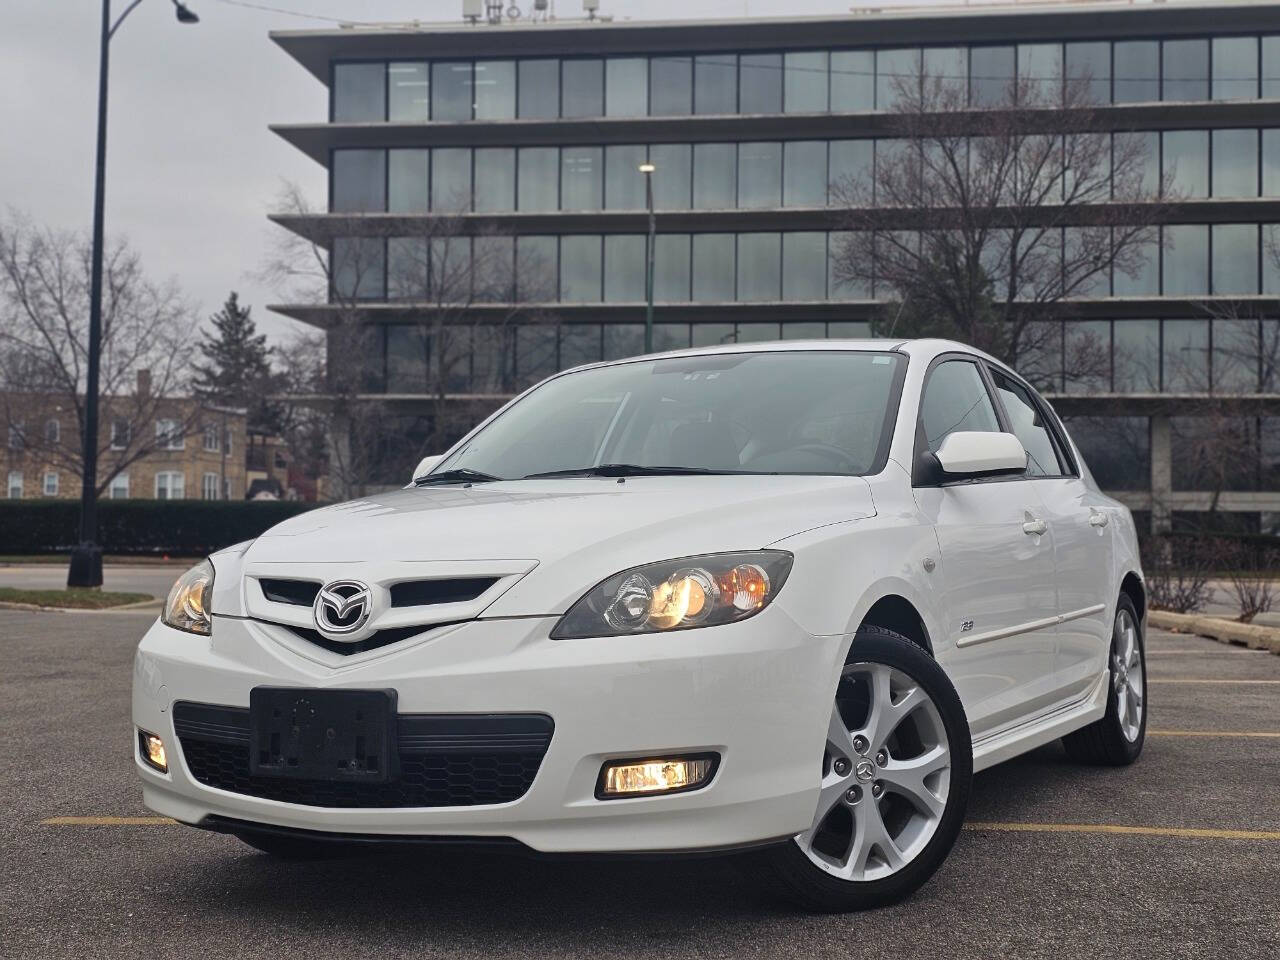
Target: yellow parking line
x=1213 y=733
x=108 y=822
x=1117 y=829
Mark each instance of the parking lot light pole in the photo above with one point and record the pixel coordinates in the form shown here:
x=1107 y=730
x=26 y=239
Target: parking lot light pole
x=647 y=169
x=86 y=556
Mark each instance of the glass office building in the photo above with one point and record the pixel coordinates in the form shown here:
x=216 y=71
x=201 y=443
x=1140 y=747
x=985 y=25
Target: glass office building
x=532 y=136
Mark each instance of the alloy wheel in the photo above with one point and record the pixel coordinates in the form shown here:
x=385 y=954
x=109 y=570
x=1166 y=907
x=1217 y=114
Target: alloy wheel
x=885 y=778
x=1126 y=675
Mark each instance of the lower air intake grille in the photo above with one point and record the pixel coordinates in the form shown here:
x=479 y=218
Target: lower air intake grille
x=445 y=760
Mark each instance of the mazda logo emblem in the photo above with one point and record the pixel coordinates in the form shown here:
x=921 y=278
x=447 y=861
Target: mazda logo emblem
x=342 y=608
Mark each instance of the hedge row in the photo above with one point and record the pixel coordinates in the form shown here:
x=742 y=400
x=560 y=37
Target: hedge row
x=179 y=527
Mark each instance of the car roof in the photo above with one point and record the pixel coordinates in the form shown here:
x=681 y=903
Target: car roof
x=923 y=349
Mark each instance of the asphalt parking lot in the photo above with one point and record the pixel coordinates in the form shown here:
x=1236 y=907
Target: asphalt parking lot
x=1176 y=856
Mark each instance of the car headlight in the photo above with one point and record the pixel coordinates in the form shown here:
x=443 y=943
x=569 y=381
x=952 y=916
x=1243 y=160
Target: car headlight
x=678 y=595
x=187 y=607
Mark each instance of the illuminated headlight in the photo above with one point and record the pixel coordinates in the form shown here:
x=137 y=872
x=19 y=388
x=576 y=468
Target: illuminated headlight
x=677 y=595
x=187 y=607
x=152 y=748
x=633 y=778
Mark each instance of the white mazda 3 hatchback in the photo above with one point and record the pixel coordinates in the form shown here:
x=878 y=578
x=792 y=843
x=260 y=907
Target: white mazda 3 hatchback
x=774 y=598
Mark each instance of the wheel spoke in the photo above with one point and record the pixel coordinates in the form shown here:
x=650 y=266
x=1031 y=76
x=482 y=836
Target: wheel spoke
x=885 y=714
x=908 y=779
x=870 y=836
x=839 y=739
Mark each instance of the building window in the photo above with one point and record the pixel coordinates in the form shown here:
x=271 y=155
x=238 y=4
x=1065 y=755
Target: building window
x=670 y=86
x=1137 y=79
x=1271 y=67
x=623 y=181
x=52 y=432
x=119 y=488
x=713 y=268
x=991 y=74
x=804 y=266
x=804 y=165
x=581 y=178
x=359 y=181
x=1186 y=260
x=1235 y=68
x=1235 y=163
x=17 y=436
x=538 y=179
x=897 y=76
x=359 y=92
x=851 y=165
x=15 y=484
x=359 y=268
x=624 y=268
x=451 y=91
x=539 y=89
x=211 y=439
x=170 y=485
x=853 y=81
x=1186 y=161
x=1090 y=64
x=715 y=185
x=804 y=82
x=495 y=179
x=409 y=92
x=671 y=268
x=1185 y=70
x=408 y=181
x=451 y=180
x=1235 y=258
x=950 y=67
x=121 y=433
x=1136 y=356
x=51 y=483
x=759 y=175
x=673 y=178
x=759 y=266
x=1185 y=360
x=580 y=269
x=169 y=435
x=715 y=84
x=210 y=486
x=495 y=89
x=583 y=88
x=626 y=84
x=537 y=266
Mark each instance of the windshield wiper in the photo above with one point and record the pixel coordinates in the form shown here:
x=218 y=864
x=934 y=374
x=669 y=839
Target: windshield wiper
x=460 y=475
x=628 y=470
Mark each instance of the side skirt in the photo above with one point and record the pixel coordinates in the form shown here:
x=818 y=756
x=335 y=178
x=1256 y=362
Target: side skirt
x=1008 y=744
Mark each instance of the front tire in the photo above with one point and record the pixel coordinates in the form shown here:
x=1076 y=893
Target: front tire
x=895 y=783
x=1116 y=740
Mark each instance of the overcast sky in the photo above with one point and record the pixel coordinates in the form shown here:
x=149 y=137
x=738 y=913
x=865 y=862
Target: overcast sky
x=192 y=169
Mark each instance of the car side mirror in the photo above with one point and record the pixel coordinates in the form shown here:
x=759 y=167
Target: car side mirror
x=979 y=454
x=425 y=466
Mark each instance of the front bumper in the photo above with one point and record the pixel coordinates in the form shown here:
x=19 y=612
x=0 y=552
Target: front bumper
x=757 y=693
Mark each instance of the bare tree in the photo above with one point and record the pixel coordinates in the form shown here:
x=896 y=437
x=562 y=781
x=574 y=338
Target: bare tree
x=44 y=316
x=459 y=288
x=979 y=223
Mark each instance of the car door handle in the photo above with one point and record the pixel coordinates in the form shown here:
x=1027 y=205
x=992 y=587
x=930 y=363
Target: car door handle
x=1097 y=519
x=1034 y=528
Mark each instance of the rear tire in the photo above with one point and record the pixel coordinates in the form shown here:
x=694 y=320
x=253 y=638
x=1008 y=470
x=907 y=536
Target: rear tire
x=1116 y=740
x=895 y=783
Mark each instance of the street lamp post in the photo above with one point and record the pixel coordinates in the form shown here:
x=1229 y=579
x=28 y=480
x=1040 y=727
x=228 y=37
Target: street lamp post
x=647 y=169
x=86 y=557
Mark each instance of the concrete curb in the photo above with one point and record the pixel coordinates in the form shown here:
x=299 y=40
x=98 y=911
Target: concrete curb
x=137 y=607
x=1215 y=628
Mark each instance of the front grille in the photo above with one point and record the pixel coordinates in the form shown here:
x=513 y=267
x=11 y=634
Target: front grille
x=301 y=593
x=421 y=593
x=381 y=638
x=446 y=760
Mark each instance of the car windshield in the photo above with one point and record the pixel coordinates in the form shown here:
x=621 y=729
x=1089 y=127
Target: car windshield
x=789 y=412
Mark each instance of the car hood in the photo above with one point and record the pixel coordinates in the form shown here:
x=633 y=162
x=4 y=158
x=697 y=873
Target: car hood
x=576 y=530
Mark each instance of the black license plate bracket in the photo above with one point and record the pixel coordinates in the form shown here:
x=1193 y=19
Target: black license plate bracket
x=347 y=736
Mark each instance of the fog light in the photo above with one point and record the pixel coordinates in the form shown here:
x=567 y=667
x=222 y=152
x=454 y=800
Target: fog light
x=630 y=778
x=153 y=751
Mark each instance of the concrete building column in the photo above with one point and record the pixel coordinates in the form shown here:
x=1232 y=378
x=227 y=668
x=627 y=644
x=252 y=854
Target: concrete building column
x=1161 y=475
